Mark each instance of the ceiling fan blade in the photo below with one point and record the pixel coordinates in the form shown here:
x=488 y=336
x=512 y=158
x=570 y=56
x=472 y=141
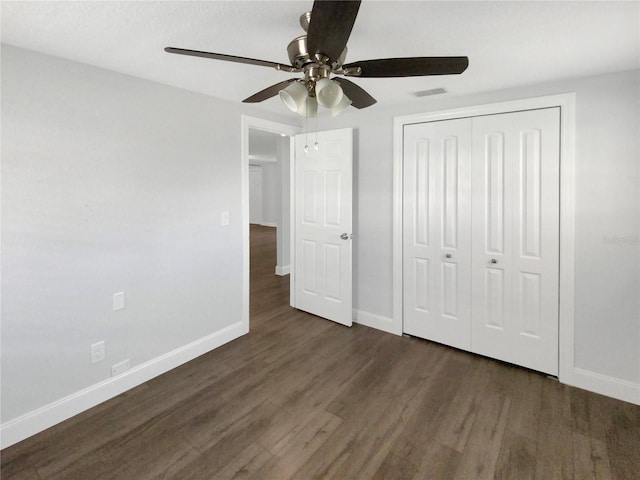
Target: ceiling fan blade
x=268 y=92
x=358 y=97
x=230 y=58
x=409 y=67
x=330 y=26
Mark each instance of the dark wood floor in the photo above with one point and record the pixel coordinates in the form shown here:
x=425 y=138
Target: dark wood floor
x=303 y=398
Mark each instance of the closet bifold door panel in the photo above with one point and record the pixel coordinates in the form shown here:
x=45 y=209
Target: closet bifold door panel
x=437 y=231
x=515 y=231
x=481 y=239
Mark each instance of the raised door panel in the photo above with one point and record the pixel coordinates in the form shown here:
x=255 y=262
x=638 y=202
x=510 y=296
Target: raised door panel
x=493 y=298
x=422 y=284
x=309 y=197
x=309 y=262
x=450 y=193
x=436 y=219
x=333 y=198
x=420 y=185
x=332 y=269
x=530 y=202
x=515 y=265
x=491 y=224
x=449 y=291
x=492 y=177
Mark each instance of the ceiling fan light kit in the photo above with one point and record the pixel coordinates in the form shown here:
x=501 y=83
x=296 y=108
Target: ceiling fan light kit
x=309 y=107
x=328 y=93
x=344 y=103
x=294 y=96
x=321 y=53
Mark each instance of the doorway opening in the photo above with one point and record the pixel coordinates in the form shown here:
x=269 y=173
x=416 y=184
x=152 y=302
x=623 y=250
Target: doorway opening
x=269 y=189
x=267 y=148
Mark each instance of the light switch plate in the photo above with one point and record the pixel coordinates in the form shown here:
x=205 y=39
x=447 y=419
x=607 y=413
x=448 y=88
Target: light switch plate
x=224 y=218
x=118 y=301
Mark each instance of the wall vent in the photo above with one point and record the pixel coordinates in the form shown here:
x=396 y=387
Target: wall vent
x=433 y=91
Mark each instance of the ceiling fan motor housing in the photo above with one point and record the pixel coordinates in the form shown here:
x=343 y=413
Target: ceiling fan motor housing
x=299 y=55
x=315 y=68
x=297 y=50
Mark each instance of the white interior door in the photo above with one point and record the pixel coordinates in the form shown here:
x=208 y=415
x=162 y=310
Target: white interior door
x=515 y=269
x=322 y=273
x=437 y=231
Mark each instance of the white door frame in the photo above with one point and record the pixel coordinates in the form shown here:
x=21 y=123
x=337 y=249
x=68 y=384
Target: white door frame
x=566 y=102
x=269 y=126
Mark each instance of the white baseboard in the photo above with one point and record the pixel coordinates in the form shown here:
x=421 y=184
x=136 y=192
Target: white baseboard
x=269 y=224
x=624 y=390
x=611 y=387
x=379 y=322
x=38 y=420
x=283 y=270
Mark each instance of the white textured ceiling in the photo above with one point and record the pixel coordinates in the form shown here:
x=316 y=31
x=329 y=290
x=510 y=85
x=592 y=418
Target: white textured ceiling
x=509 y=44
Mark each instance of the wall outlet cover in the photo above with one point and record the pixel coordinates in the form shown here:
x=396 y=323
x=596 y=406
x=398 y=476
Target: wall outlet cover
x=98 y=352
x=118 y=368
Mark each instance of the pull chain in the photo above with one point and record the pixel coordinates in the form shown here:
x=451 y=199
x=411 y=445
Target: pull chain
x=316 y=146
x=306 y=127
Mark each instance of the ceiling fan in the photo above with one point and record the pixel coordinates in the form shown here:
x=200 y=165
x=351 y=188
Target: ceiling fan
x=321 y=53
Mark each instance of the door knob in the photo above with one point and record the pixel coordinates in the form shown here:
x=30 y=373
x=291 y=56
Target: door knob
x=493 y=260
x=345 y=236
x=448 y=255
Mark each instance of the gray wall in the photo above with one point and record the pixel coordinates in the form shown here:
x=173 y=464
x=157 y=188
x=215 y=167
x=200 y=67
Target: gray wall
x=263 y=152
x=607 y=206
x=110 y=183
x=271 y=193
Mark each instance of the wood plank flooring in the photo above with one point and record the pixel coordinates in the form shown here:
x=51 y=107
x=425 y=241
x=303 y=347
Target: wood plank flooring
x=303 y=398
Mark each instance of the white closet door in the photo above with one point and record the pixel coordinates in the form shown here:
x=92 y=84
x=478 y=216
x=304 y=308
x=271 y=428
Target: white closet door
x=437 y=229
x=515 y=252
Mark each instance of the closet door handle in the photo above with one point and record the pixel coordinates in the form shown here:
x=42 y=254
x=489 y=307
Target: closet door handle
x=493 y=260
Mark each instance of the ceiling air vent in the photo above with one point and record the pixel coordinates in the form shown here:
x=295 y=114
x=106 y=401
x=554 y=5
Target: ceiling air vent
x=428 y=93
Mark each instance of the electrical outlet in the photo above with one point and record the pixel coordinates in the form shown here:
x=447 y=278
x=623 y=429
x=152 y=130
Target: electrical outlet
x=118 y=368
x=98 y=352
